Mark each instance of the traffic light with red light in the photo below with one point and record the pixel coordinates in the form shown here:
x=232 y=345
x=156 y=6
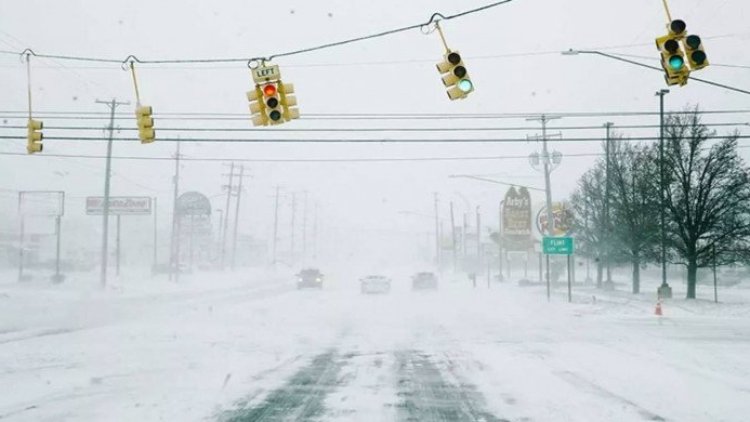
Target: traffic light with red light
x=34 y=137
x=146 y=131
x=455 y=76
x=271 y=102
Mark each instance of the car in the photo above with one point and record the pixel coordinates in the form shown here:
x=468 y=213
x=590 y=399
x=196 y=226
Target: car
x=375 y=284
x=424 y=281
x=310 y=278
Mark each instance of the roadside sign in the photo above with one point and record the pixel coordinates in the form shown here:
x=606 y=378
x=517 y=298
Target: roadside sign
x=558 y=245
x=119 y=205
x=263 y=74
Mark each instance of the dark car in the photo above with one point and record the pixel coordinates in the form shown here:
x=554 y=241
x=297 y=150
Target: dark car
x=424 y=281
x=310 y=278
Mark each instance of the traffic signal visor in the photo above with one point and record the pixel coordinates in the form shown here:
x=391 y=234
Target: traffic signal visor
x=34 y=137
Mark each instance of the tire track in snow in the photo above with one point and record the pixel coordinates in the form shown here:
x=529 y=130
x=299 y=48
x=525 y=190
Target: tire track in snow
x=590 y=387
x=301 y=398
x=426 y=395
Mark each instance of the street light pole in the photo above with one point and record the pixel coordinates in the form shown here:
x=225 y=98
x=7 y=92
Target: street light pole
x=607 y=225
x=664 y=290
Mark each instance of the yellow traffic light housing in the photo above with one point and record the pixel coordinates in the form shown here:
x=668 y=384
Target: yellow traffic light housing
x=146 y=132
x=34 y=136
x=695 y=54
x=272 y=101
x=672 y=55
x=455 y=76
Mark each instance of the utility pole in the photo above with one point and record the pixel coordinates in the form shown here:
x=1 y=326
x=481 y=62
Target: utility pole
x=174 y=247
x=607 y=222
x=226 y=216
x=107 y=175
x=547 y=168
x=437 y=231
x=237 y=217
x=276 y=226
x=453 y=239
x=664 y=290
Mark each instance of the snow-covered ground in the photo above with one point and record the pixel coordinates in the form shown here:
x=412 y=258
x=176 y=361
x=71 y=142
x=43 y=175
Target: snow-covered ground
x=251 y=347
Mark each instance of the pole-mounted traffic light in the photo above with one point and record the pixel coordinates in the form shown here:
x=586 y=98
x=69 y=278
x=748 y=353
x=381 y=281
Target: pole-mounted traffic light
x=455 y=76
x=695 y=53
x=146 y=131
x=34 y=136
x=672 y=56
x=271 y=102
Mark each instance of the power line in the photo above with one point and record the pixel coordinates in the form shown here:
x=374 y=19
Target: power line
x=436 y=17
x=348 y=140
x=374 y=129
x=295 y=160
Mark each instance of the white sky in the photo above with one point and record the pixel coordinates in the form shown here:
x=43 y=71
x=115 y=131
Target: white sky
x=358 y=78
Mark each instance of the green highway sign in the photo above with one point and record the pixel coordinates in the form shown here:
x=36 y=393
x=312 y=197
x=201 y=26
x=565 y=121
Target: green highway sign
x=557 y=245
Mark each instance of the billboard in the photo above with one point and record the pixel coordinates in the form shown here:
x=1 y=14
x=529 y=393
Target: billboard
x=193 y=203
x=41 y=203
x=562 y=213
x=119 y=205
x=517 y=212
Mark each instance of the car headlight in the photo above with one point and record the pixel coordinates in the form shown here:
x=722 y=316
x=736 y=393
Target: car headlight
x=318 y=280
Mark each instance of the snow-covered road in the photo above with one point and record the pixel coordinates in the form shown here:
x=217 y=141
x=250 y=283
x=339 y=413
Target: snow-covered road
x=262 y=351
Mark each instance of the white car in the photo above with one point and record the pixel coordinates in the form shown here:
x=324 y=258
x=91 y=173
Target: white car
x=375 y=284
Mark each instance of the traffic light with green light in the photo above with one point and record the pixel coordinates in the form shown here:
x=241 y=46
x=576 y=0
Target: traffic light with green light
x=672 y=56
x=34 y=137
x=455 y=76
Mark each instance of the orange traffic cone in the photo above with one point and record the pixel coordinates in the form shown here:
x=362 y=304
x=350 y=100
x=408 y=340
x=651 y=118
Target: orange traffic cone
x=658 y=309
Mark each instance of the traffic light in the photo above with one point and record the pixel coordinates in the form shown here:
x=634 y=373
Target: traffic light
x=695 y=53
x=272 y=102
x=146 y=131
x=288 y=101
x=672 y=55
x=455 y=77
x=34 y=136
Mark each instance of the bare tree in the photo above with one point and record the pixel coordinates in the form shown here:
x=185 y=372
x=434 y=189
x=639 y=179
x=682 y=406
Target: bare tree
x=634 y=197
x=708 y=195
x=589 y=219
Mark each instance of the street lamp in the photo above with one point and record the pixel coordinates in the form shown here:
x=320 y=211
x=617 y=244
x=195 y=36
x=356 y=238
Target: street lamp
x=664 y=290
x=573 y=52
